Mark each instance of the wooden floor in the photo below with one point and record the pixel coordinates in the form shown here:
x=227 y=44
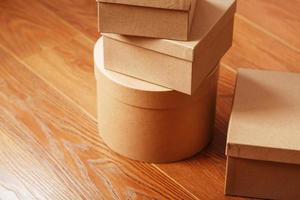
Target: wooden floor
x=49 y=145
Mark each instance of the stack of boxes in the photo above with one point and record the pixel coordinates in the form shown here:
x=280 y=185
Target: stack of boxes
x=156 y=66
x=157 y=69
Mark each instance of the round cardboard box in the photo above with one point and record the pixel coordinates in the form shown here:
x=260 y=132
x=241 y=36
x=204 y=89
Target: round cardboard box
x=150 y=123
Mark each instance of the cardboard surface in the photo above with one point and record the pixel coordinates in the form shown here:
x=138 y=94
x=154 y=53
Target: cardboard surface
x=151 y=123
x=265 y=119
x=210 y=16
x=184 y=5
x=181 y=66
x=262 y=179
x=140 y=18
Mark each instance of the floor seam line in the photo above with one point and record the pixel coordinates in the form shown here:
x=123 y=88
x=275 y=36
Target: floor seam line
x=260 y=28
x=171 y=178
x=48 y=83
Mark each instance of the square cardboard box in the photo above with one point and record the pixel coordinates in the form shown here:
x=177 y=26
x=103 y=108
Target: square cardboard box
x=170 y=19
x=263 y=144
x=177 y=65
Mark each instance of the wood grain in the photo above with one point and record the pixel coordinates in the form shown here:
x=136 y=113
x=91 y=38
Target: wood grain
x=255 y=49
x=277 y=18
x=69 y=70
x=49 y=119
x=80 y=14
x=226 y=88
x=50 y=149
x=28 y=27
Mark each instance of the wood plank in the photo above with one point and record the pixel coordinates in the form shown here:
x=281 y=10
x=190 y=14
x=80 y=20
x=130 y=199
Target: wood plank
x=280 y=18
x=225 y=96
x=80 y=14
x=50 y=149
x=69 y=68
x=204 y=174
x=27 y=27
x=253 y=48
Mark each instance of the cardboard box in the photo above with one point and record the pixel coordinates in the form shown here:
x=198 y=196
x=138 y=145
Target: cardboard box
x=177 y=65
x=263 y=144
x=147 y=122
x=170 y=19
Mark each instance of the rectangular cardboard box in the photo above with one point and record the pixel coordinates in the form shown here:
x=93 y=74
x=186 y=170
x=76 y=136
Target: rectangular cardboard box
x=263 y=144
x=170 y=19
x=177 y=65
x=262 y=179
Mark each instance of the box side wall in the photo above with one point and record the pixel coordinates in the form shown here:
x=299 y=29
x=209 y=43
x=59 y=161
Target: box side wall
x=164 y=4
x=148 y=65
x=211 y=50
x=155 y=135
x=142 y=21
x=262 y=179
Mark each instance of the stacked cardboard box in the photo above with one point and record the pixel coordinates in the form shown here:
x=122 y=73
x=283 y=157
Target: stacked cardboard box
x=157 y=69
x=156 y=18
x=263 y=144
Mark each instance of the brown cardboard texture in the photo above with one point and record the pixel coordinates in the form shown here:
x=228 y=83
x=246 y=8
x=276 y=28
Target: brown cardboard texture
x=169 y=19
x=263 y=144
x=147 y=122
x=262 y=179
x=183 y=5
x=181 y=66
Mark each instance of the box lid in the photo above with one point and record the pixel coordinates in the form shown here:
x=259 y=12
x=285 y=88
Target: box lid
x=143 y=94
x=209 y=15
x=265 y=120
x=184 y=5
x=124 y=80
